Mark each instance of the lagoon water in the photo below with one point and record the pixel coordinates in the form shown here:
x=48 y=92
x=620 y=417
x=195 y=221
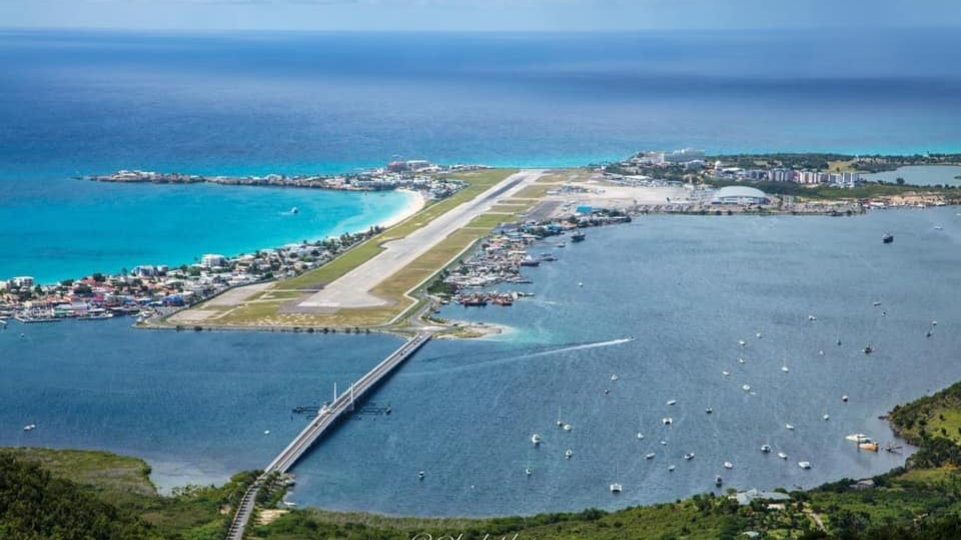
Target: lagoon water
x=80 y=103
x=686 y=288
x=923 y=175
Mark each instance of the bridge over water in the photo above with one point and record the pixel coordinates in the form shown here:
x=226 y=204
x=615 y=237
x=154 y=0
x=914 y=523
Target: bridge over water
x=318 y=426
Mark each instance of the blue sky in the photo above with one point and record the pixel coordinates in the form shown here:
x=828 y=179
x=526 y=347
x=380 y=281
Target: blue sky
x=557 y=15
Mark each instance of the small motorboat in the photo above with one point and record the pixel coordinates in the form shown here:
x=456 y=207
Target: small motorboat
x=649 y=456
x=266 y=432
x=725 y=373
x=766 y=448
x=536 y=439
x=870 y=446
x=528 y=472
x=640 y=435
x=294 y=210
x=746 y=387
x=741 y=342
x=667 y=421
x=844 y=398
x=616 y=488
x=689 y=457
x=671 y=402
x=663 y=443
x=826 y=417
x=420 y=475
x=868 y=349
x=709 y=410
x=857 y=437
x=614 y=378
x=30 y=427
x=812 y=318
x=740 y=361
x=758 y=335
x=728 y=465
x=782 y=455
x=785 y=369
x=887 y=239
x=804 y=464
x=718 y=481
x=789 y=427
x=670 y=468
x=569 y=454
x=568 y=427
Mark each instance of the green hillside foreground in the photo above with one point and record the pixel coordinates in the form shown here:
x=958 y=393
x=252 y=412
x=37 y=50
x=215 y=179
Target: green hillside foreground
x=65 y=495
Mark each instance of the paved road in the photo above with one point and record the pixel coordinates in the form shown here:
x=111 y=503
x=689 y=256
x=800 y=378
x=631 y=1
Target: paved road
x=353 y=289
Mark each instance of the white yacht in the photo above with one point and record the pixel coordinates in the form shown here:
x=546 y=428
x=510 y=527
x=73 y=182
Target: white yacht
x=789 y=427
x=804 y=464
x=569 y=453
x=568 y=427
x=785 y=369
x=536 y=439
x=766 y=448
x=670 y=468
x=649 y=456
x=826 y=417
x=528 y=472
x=689 y=457
x=616 y=488
x=741 y=342
x=667 y=421
x=746 y=387
x=728 y=465
x=671 y=402
x=782 y=455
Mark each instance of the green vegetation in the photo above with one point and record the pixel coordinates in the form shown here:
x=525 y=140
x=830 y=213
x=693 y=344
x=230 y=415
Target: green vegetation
x=836 y=162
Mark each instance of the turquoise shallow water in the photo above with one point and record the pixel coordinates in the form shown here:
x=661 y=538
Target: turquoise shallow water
x=69 y=228
x=687 y=288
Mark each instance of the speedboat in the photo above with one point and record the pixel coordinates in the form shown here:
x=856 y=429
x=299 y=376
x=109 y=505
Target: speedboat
x=746 y=387
x=663 y=443
x=785 y=369
x=649 y=456
x=766 y=448
x=858 y=438
x=671 y=402
x=616 y=488
x=294 y=210
x=782 y=455
x=569 y=453
x=826 y=417
x=528 y=472
x=789 y=427
x=689 y=457
x=568 y=427
x=728 y=465
x=741 y=342
x=266 y=432
x=536 y=439
x=804 y=464
x=640 y=435
x=740 y=360
x=812 y=318
x=725 y=373
x=613 y=378
x=670 y=468
x=758 y=335
x=30 y=427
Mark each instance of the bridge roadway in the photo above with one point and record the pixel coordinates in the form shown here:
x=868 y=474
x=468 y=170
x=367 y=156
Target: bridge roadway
x=326 y=418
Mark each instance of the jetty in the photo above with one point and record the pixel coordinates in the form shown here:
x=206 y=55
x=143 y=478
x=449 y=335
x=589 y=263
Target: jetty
x=326 y=418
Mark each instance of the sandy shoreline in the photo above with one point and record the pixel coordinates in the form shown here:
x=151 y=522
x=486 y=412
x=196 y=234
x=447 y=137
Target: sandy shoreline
x=415 y=203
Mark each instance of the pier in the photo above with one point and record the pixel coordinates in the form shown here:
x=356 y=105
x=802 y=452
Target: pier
x=319 y=425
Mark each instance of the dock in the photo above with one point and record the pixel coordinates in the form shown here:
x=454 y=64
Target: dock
x=326 y=418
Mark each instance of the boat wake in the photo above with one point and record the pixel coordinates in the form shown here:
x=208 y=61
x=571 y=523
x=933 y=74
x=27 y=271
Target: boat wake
x=543 y=352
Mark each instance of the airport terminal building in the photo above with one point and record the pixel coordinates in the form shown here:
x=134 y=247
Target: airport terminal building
x=740 y=195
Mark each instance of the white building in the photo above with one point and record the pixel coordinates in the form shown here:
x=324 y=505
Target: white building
x=23 y=282
x=213 y=261
x=740 y=195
